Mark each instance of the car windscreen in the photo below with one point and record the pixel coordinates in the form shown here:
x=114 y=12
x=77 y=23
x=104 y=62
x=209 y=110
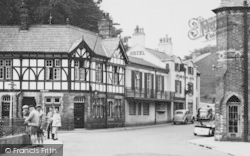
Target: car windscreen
x=178 y=112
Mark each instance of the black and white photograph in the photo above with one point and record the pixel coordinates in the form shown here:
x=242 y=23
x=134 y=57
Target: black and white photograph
x=124 y=77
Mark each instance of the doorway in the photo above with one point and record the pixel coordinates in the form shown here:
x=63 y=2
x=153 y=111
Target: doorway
x=233 y=117
x=79 y=112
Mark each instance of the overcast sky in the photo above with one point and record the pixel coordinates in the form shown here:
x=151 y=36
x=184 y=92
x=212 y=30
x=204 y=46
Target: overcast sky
x=161 y=17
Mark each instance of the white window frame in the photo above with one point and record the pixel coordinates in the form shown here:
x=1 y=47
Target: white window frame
x=1 y=72
x=8 y=73
x=57 y=63
x=98 y=74
x=137 y=80
x=159 y=83
x=56 y=73
x=49 y=63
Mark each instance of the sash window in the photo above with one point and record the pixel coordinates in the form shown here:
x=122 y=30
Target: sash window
x=98 y=75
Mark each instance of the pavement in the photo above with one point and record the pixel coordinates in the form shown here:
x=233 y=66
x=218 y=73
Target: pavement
x=231 y=148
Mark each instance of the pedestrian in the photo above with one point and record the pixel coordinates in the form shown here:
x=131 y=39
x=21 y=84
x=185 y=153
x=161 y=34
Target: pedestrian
x=199 y=116
x=26 y=115
x=41 y=126
x=49 y=121
x=55 y=124
x=33 y=121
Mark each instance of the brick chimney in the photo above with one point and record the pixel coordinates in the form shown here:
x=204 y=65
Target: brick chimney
x=138 y=37
x=24 y=16
x=105 y=26
x=165 y=45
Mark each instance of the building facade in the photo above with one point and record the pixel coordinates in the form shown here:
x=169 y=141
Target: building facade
x=183 y=78
x=65 y=67
x=232 y=104
x=148 y=100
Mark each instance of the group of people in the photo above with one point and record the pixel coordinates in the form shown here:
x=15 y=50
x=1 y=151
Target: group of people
x=37 y=122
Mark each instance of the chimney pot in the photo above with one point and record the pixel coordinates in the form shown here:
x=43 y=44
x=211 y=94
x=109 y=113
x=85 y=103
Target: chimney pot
x=24 y=16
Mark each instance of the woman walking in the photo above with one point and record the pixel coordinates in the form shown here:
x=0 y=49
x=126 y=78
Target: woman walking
x=55 y=124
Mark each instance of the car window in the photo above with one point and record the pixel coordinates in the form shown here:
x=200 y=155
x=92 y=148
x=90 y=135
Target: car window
x=178 y=112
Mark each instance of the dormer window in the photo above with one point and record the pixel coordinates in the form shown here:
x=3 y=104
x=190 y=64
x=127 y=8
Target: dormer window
x=190 y=70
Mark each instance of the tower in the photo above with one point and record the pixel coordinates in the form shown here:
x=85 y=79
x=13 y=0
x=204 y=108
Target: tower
x=232 y=71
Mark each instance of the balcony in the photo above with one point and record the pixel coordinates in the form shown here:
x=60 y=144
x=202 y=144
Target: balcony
x=149 y=94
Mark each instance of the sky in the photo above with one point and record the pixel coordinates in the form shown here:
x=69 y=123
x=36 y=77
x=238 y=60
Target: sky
x=161 y=17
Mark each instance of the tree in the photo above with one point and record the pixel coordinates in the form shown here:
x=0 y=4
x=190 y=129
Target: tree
x=81 y=13
x=201 y=51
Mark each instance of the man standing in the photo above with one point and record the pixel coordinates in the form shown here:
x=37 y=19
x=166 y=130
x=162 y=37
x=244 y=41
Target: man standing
x=41 y=125
x=26 y=115
x=49 y=122
x=33 y=122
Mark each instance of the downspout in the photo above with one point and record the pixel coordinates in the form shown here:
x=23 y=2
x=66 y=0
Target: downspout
x=155 y=96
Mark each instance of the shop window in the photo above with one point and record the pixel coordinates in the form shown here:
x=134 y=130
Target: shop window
x=110 y=109
x=145 y=109
x=139 y=108
x=6 y=106
x=118 y=105
x=98 y=108
x=132 y=108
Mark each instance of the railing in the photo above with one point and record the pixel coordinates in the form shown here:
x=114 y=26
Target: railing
x=149 y=93
x=12 y=126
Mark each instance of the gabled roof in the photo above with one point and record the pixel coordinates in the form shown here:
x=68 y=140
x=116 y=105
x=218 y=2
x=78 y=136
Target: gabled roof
x=158 y=54
x=141 y=61
x=110 y=45
x=47 y=38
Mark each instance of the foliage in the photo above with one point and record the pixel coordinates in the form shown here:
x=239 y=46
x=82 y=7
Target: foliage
x=201 y=51
x=81 y=13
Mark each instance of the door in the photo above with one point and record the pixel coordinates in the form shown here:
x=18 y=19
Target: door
x=79 y=115
x=233 y=119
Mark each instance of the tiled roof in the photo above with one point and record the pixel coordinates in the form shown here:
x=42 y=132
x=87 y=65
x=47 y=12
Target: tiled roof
x=231 y=3
x=142 y=62
x=47 y=38
x=110 y=45
x=160 y=55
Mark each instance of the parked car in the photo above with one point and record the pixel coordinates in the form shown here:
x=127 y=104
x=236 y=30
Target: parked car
x=183 y=116
x=204 y=130
x=206 y=114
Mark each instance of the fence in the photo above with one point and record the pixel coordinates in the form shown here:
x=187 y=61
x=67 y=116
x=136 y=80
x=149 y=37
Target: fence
x=12 y=126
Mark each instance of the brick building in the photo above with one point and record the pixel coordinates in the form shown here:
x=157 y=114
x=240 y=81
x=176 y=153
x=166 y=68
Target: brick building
x=230 y=123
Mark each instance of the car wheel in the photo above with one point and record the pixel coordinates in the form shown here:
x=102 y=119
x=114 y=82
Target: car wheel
x=192 y=121
x=174 y=123
x=195 y=134
x=186 y=121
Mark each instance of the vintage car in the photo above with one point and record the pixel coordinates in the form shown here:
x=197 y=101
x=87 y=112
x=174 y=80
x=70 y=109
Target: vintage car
x=206 y=114
x=183 y=116
x=204 y=130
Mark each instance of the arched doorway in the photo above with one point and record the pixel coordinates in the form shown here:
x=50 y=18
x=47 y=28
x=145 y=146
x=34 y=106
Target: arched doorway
x=233 y=117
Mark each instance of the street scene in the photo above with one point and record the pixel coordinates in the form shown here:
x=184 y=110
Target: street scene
x=124 y=77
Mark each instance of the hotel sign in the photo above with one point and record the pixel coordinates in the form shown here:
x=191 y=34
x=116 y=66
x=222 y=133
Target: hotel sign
x=137 y=53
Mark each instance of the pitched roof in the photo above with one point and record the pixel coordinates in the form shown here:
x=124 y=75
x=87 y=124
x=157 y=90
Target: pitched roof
x=141 y=61
x=47 y=38
x=110 y=45
x=232 y=3
x=160 y=55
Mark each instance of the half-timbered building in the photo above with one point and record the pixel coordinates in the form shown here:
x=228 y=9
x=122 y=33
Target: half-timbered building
x=77 y=71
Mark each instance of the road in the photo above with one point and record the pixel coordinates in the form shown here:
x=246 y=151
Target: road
x=164 y=140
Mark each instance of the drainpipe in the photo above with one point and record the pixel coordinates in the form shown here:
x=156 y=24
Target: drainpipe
x=155 y=96
x=245 y=73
